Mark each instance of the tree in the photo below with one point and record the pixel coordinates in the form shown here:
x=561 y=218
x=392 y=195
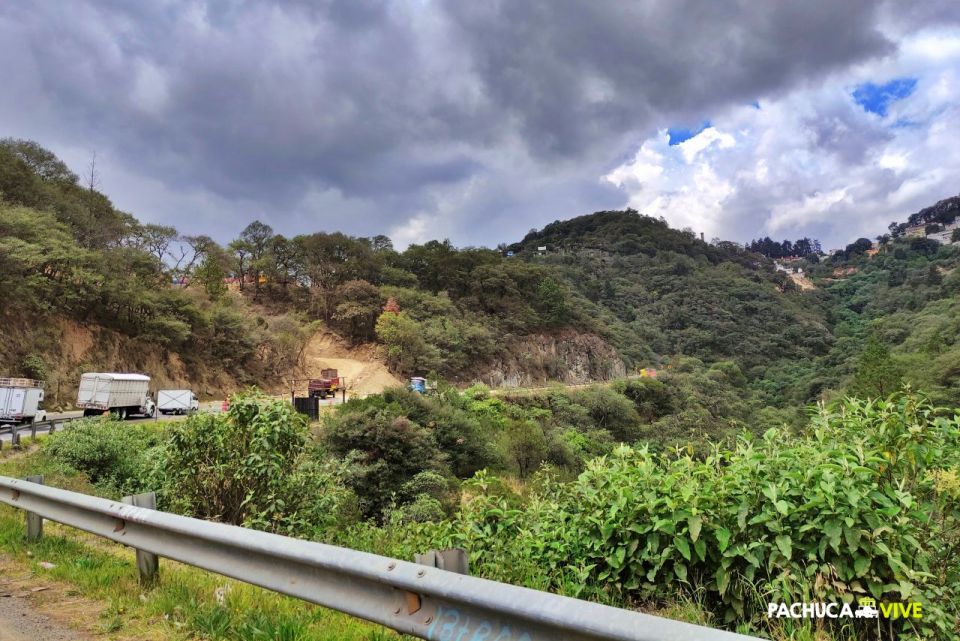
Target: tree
x=524 y=445
x=955 y=236
x=256 y=237
x=241 y=254
x=92 y=177
x=356 y=313
x=154 y=239
x=383 y=452
x=407 y=350
x=380 y=243
x=211 y=275
x=287 y=263
x=392 y=306
x=552 y=302
x=876 y=374
x=41 y=161
x=858 y=247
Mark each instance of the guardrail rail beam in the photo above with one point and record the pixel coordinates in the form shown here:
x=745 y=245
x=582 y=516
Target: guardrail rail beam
x=425 y=602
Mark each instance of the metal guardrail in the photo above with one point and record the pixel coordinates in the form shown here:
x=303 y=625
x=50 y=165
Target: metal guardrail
x=425 y=602
x=17 y=431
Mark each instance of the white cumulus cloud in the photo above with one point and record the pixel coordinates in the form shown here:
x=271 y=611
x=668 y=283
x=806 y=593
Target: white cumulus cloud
x=811 y=161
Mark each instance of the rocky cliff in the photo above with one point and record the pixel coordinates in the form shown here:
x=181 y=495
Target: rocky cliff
x=566 y=356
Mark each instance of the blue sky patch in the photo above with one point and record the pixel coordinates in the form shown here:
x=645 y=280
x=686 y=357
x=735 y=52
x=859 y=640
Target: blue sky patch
x=679 y=134
x=876 y=98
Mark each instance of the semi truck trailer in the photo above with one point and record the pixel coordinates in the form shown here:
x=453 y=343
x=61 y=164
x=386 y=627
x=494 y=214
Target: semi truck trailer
x=21 y=401
x=120 y=394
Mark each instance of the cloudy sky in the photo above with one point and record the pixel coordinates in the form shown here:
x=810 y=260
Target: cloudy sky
x=477 y=121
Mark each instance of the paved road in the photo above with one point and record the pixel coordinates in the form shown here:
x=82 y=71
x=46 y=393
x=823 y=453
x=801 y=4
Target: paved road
x=207 y=406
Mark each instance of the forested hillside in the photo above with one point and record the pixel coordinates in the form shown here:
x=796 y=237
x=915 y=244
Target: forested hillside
x=659 y=292
x=614 y=291
x=71 y=265
x=591 y=298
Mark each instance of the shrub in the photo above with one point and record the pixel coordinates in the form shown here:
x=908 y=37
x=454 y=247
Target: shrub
x=34 y=366
x=864 y=504
x=251 y=467
x=382 y=453
x=116 y=456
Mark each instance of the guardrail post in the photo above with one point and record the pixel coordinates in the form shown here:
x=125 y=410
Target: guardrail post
x=148 y=564
x=33 y=431
x=53 y=427
x=15 y=437
x=452 y=560
x=34 y=521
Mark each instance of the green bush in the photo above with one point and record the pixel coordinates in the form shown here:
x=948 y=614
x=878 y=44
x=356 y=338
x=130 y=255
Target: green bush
x=864 y=504
x=382 y=452
x=116 y=456
x=251 y=467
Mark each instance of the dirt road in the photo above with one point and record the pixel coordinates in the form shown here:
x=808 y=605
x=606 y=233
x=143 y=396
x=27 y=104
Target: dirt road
x=21 y=622
x=364 y=373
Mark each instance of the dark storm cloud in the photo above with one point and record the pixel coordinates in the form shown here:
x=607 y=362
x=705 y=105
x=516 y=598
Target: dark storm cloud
x=574 y=73
x=413 y=105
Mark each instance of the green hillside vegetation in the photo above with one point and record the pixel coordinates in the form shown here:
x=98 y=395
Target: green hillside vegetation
x=652 y=292
x=657 y=291
x=67 y=253
x=894 y=317
x=775 y=456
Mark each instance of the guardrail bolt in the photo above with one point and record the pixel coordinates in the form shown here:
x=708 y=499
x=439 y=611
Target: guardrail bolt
x=34 y=521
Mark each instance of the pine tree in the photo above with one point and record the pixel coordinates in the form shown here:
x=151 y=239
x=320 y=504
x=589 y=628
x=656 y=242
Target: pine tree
x=877 y=374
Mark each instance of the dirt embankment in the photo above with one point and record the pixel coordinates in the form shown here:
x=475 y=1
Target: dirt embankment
x=361 y=366
x=802 y=282
x=68 y=349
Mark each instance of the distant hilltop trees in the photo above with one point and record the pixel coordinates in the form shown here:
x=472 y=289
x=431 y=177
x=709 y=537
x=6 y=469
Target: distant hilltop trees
x=942 y=214
x=786 y=249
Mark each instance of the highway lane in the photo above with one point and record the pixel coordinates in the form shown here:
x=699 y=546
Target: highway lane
x=205 y=407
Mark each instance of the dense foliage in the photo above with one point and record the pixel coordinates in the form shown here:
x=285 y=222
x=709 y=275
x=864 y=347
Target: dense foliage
x=862 y=502
x=894 y=317
x=67 y=254
x=654 y=291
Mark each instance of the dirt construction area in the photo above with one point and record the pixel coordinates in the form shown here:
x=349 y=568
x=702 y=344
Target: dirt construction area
x=364 y=372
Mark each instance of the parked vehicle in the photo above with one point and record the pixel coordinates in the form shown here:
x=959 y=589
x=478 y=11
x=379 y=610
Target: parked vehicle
x=421 y=385
x=177 y=401
x=122 y=395
x=21 y=401
x=326 y=385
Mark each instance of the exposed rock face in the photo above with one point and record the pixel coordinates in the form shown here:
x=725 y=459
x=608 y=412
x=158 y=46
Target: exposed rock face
x=566 y=356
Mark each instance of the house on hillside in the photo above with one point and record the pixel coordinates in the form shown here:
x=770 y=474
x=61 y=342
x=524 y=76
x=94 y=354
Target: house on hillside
x=943 y=237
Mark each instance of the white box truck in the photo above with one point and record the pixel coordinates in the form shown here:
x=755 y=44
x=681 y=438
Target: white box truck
x=21 y=401
x=177 y=401
x=120 y=394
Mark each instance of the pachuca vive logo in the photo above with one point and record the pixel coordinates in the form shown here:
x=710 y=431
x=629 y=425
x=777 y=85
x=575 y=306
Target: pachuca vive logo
x=867 y=608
